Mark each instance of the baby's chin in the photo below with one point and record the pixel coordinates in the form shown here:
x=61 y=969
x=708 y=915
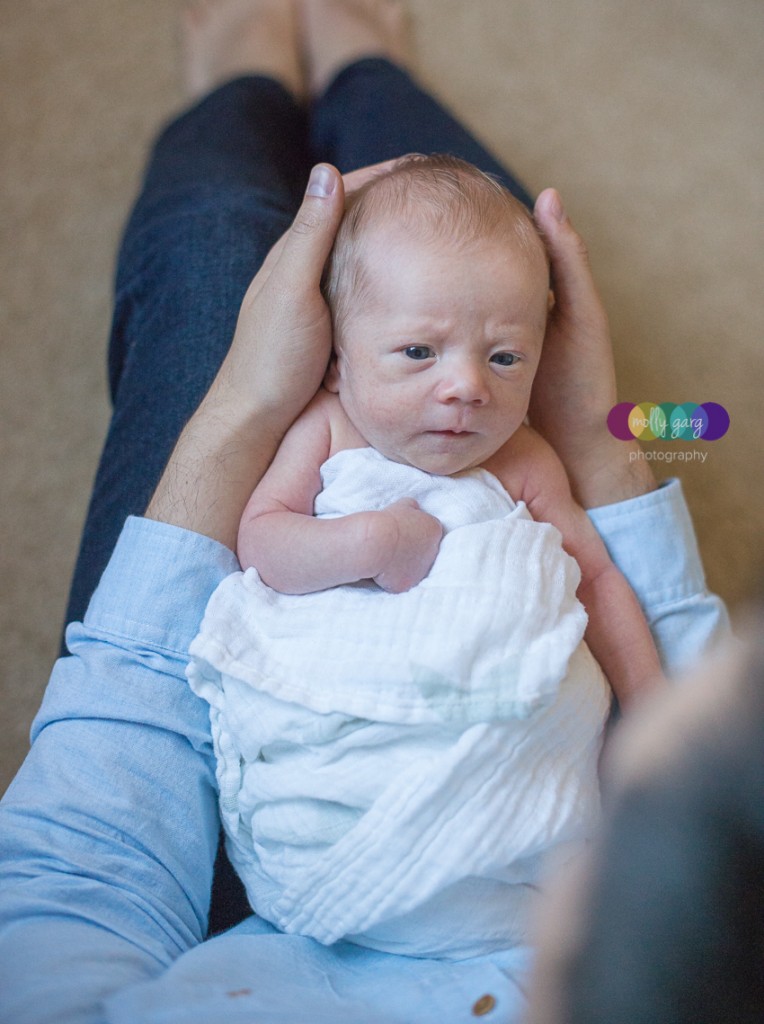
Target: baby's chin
x=443 y=456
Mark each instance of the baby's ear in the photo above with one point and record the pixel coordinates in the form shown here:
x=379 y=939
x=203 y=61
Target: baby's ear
x=332 y=375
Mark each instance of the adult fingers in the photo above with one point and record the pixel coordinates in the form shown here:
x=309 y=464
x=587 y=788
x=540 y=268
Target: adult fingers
x=575 y=292
x=352 y=181
x=300 y=256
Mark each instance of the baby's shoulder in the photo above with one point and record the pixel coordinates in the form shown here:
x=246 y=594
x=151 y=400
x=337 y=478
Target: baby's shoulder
x=342 y=431
x=325 y=417
x=526 y=465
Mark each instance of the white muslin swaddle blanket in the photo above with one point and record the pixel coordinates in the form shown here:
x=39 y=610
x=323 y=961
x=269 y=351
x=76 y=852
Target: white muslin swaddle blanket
x=394 y=768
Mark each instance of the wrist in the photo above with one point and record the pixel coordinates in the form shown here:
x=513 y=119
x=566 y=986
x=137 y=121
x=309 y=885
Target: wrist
x=226 y=414
x=609 y=472
x=379 y=541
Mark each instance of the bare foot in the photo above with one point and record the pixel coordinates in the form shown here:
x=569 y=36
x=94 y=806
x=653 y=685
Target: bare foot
x=338 y=32
x=224 y=39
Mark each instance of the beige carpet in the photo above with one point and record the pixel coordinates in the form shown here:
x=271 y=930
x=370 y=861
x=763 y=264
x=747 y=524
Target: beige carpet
x=647 y=116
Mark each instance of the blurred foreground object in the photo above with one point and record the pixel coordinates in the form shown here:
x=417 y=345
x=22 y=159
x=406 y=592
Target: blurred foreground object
x=664 y=923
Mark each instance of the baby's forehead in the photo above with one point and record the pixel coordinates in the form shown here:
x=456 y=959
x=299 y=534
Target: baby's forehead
x=424 y=287
x=426 y=255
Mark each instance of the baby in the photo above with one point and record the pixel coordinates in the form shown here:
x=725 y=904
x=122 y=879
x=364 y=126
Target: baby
x=406 y=717
x=438 y=287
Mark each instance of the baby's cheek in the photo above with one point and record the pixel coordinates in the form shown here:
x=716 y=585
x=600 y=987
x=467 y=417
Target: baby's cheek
x=390 y=423
x=387 y=405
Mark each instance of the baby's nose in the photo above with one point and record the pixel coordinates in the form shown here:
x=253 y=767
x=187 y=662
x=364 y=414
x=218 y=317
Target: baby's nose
x=464 y=381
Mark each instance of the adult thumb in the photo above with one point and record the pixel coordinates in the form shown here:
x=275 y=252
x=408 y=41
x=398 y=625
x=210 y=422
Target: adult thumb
x=311 y=236
x=574 y=289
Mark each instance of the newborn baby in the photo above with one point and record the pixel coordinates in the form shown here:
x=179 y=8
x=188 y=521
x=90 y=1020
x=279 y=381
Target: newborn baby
x=406 y=717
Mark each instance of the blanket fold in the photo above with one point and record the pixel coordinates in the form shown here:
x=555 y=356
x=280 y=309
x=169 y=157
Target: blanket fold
x=383 y=757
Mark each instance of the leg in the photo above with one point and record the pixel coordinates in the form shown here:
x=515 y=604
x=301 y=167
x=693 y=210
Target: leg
x=223 y=183
x=366 y=106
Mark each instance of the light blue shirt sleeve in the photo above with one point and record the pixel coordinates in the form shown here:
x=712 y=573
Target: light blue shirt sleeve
x=108 y=833
x=652 y=541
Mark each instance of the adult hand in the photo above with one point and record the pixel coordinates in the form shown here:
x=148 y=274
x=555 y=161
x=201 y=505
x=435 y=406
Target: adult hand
x=575 y=385
x=283 y=337
x=275 y=364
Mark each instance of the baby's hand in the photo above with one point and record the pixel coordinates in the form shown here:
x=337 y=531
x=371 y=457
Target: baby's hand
x=414 y=539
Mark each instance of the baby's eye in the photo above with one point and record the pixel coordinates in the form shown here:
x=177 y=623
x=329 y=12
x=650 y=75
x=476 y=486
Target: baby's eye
x=505 y=358
x=419 y=352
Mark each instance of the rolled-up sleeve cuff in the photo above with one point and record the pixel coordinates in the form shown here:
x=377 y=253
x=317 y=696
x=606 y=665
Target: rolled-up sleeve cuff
x=157 y=584
x=652 y=541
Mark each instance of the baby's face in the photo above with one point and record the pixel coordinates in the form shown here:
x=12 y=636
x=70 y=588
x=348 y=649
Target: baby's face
x=435 y=366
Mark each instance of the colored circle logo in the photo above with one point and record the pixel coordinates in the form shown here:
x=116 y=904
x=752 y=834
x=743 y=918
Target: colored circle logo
x=718 y=421
x=667 y=421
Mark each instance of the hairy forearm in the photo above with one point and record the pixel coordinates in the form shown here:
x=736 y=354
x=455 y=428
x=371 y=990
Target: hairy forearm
x=298 y=554
x=618 y=635
x=220 y=456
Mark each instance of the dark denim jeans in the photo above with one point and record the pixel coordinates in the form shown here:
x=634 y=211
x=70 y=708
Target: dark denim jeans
x=223 y=183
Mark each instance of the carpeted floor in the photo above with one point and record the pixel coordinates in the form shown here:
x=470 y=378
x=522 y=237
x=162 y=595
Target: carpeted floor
x=648 y=117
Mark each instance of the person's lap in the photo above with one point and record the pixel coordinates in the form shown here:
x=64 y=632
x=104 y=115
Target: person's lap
x=212 y=205
x=374 y=111
x=222 y=185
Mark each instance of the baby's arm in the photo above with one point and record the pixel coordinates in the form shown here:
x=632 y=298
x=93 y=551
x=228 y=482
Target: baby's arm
x=617 y=633
x=295 y=553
